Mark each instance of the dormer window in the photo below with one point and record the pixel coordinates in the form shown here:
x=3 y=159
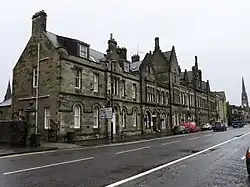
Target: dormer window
x=83 y=51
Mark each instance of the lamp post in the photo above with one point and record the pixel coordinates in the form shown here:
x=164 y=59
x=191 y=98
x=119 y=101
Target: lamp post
x=170 y=97
x=111 y=99
x=37 y=86
x=36 y=137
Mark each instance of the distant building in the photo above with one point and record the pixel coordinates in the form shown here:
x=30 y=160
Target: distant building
x=221 y=106
x=243 y=109
x=5 y=105
x=76 y=81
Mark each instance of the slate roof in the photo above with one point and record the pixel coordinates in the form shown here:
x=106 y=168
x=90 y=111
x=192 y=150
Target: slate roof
x=71 y=45
x=221 y=93
x=135 y=66
x=167 y=54
x=6 y=103
x=189 y=75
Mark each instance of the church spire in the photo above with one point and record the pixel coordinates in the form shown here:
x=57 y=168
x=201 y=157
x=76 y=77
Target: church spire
x=244 y=98
x=243 y=86
x=8 y=92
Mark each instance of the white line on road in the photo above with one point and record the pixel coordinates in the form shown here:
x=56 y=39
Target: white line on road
x=171 y=142
x=46 y=166
x=171 y=163
x=194 y=138
x=206 y=135
x=131 y=150
x=243 y=158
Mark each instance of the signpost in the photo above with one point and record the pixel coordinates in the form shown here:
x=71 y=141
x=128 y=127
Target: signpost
x=106 y=113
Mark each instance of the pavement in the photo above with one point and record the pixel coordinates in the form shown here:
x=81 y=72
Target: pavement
x=193 y=160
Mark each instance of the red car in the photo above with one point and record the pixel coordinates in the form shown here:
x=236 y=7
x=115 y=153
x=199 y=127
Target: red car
x=191 y=126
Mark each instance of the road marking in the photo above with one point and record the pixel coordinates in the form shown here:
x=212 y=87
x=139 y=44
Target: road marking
x=206 y=135
x=171 y=142
x=98 y=146
x=47 y=166
x=131 y=150
x=194 y=138
x=243 y=158
x=171 y=163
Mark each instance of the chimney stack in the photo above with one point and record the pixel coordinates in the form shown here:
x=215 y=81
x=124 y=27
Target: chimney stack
x=196 y=62
x=39 y=22
x=135 y=58
x=157 y=44
x=122 y=52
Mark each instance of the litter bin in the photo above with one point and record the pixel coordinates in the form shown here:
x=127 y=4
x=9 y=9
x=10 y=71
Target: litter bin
x=70 y=137
x=35 y=140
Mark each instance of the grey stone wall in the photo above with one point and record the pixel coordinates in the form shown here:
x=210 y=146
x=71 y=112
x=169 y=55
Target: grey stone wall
x=23 y=96
x=5 y=113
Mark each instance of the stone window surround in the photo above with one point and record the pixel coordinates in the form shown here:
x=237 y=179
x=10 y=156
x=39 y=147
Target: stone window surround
x=46 y=117
x=123 y=88
x=95 y=82
x=34 y=77
x=124 y=116
x=134 y=91
x=78 y=78
x=96 y=116
x=77 y=116
x=135 y=124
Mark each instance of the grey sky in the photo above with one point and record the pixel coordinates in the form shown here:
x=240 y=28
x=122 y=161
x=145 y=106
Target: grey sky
x=217 y=31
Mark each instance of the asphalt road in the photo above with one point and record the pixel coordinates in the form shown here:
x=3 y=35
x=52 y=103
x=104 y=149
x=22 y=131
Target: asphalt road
x=200 y=159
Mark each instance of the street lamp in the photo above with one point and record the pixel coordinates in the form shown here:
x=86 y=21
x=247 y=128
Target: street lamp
x=111 y=99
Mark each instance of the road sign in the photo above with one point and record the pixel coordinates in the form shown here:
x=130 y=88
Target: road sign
x=106 y=113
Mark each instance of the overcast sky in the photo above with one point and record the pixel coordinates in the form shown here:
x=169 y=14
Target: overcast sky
x=217 y=31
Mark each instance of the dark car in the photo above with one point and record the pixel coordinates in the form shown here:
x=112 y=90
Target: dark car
x=248 y=161
x=179 y=129
x=219 y=127
x=237 y=124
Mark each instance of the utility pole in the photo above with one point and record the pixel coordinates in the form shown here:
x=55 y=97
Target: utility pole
x=111 y=100
x=37 y=140
x=37 y=86
x=170 y=97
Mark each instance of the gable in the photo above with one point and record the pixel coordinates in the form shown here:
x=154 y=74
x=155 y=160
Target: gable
x=147 y=69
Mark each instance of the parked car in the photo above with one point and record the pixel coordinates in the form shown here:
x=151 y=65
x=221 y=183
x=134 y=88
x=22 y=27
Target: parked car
x=206 y=126
x=191 y=126
x=248 y=161
x=219 y=127
x=237 y=124
x=179 y=129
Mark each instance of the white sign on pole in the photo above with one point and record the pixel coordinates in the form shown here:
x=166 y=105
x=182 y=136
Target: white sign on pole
x=106 y=113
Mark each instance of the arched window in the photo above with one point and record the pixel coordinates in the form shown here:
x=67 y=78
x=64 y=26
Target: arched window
x=124 y=118
x=163 y=121
x=77 y=116
x=135 y=123
x=96 y=117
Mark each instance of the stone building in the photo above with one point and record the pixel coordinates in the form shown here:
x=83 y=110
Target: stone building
x=221 y=106
x=243 y=109
x=76 y=81
x=5 y=105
